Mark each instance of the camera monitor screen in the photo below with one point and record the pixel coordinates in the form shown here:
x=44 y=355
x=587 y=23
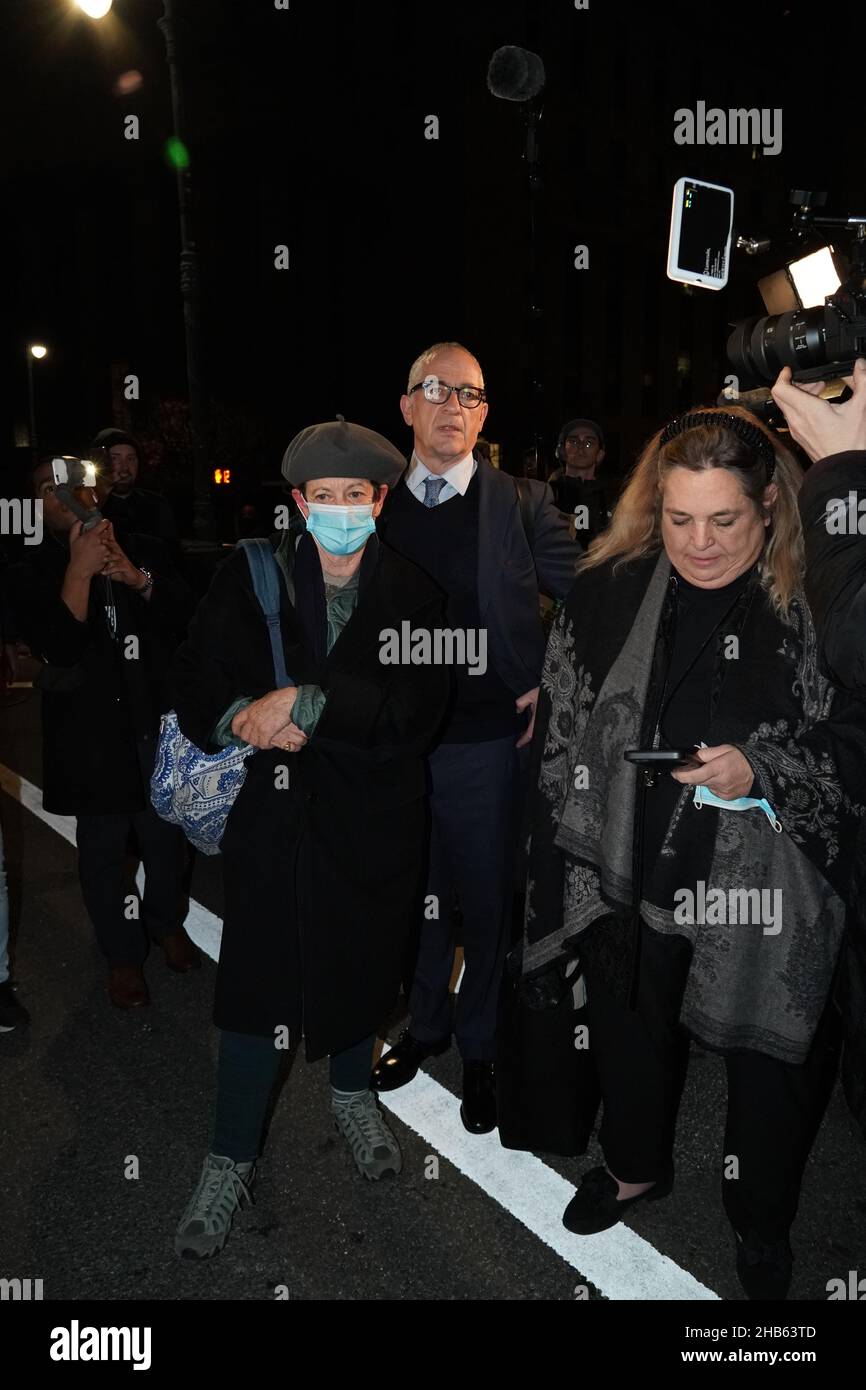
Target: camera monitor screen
x=700 y=239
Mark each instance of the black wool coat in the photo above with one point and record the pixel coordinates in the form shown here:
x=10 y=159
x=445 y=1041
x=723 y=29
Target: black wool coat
x=836 y=564
x=100 y=696
x=323 y=877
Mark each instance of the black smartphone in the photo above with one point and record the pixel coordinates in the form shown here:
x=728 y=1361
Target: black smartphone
x=662 y=757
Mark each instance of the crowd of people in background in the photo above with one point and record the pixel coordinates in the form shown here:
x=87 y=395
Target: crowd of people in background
x=705 y=613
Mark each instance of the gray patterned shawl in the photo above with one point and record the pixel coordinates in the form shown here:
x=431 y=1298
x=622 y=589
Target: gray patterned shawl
x=751 y=984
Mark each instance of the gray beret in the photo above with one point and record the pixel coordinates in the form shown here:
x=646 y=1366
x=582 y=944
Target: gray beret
x=338 y=449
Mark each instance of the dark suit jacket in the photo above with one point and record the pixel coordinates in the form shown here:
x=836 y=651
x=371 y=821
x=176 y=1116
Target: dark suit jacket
x=510 y=574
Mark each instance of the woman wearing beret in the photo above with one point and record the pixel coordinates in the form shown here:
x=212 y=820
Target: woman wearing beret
x=707 y=901
x=322 y=851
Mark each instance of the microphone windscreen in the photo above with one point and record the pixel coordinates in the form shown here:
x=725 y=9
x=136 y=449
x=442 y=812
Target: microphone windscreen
x=515 y=74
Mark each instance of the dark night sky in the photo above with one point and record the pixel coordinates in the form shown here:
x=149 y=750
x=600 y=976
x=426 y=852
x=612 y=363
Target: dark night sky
x=307 y=127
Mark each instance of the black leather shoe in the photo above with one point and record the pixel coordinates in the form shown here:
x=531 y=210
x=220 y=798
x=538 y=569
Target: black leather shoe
x=764 y=1267
x=401 y=1064
x=478 y=1111
x=595 y=1206
x=181 y=954
x=127 y=987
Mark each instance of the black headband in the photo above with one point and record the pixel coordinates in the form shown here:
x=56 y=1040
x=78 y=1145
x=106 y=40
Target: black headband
x=750 y=434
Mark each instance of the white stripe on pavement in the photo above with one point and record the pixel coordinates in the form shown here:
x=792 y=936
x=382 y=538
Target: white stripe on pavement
x=619 y=1262
x=204 y=928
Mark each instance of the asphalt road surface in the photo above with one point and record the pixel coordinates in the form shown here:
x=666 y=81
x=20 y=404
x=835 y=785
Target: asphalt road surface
x=86 y=1088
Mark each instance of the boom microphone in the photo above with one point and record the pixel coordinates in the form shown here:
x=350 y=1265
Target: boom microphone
x=515 y=74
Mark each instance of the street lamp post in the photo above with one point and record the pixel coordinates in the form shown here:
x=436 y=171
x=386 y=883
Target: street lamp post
x=204 y=526
x=35 y=351
x=203 y=518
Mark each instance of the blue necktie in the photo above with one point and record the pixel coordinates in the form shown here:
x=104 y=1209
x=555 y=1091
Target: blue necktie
x=432 y=489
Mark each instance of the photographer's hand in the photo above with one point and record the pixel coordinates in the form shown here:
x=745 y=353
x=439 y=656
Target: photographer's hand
x=88 y=553
x=823 y=427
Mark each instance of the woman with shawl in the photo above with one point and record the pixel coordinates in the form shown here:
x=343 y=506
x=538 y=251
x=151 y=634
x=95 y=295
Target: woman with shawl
x=708 y=901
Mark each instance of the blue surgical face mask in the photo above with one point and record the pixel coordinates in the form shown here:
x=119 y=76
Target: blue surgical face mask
x=704 y=797
x=341 y=530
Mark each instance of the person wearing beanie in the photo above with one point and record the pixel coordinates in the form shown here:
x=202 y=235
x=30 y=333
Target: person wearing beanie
x=105 y=613
x=128 y=506
x=587 y=499
x=323 y=848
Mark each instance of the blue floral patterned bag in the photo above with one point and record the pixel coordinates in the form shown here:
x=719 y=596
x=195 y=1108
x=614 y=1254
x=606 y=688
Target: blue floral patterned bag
x=197 y=790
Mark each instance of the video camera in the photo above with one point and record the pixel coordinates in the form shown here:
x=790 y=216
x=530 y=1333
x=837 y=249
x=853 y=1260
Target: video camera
x=818 y=341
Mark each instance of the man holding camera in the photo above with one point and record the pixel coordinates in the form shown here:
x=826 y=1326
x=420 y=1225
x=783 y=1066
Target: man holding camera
x=833 y=510
x=105 y=616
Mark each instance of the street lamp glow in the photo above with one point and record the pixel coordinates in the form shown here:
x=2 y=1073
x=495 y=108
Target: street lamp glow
x=37 y=350
x=95 y=9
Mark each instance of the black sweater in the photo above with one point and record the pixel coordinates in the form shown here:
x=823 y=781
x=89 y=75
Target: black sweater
x=686 y=708
x=443 y=541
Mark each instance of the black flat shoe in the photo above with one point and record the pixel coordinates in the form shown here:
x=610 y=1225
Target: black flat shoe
x=401 y=1064
x=764 y=1267
x=478 y=1110
x=595 y=1206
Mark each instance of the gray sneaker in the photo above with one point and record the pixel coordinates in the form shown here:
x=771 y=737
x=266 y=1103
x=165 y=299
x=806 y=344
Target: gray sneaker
x=371 y=1143
x=222 y=1189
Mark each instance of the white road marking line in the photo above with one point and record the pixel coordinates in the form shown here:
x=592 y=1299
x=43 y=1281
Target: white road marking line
x=619 y=1262
x=203 y=927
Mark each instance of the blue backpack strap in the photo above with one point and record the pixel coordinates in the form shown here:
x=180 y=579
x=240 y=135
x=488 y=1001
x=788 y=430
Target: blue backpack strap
x=266 y=583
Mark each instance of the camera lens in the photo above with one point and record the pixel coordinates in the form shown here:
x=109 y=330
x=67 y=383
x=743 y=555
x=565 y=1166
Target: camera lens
x=797 y=339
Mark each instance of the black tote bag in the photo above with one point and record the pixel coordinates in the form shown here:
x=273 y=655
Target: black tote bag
x=547 y=1088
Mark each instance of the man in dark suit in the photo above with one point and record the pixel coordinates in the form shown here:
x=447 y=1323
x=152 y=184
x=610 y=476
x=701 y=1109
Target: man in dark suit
x=461 y=520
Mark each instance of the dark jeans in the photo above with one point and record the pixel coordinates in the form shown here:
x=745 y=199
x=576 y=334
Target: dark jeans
x=474 y=807
x=102 y=842
x=246 y=1073
x=774 y=1107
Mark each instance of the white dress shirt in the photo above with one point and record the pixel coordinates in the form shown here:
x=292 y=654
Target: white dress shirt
x=457 y=477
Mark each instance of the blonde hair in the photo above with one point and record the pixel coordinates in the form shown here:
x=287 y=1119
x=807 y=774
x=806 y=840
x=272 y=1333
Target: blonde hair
x=418 y=370
x=635 y=529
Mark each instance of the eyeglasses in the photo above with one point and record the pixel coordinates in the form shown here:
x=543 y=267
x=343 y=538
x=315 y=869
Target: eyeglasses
x=591 y=443
x=438 y=392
